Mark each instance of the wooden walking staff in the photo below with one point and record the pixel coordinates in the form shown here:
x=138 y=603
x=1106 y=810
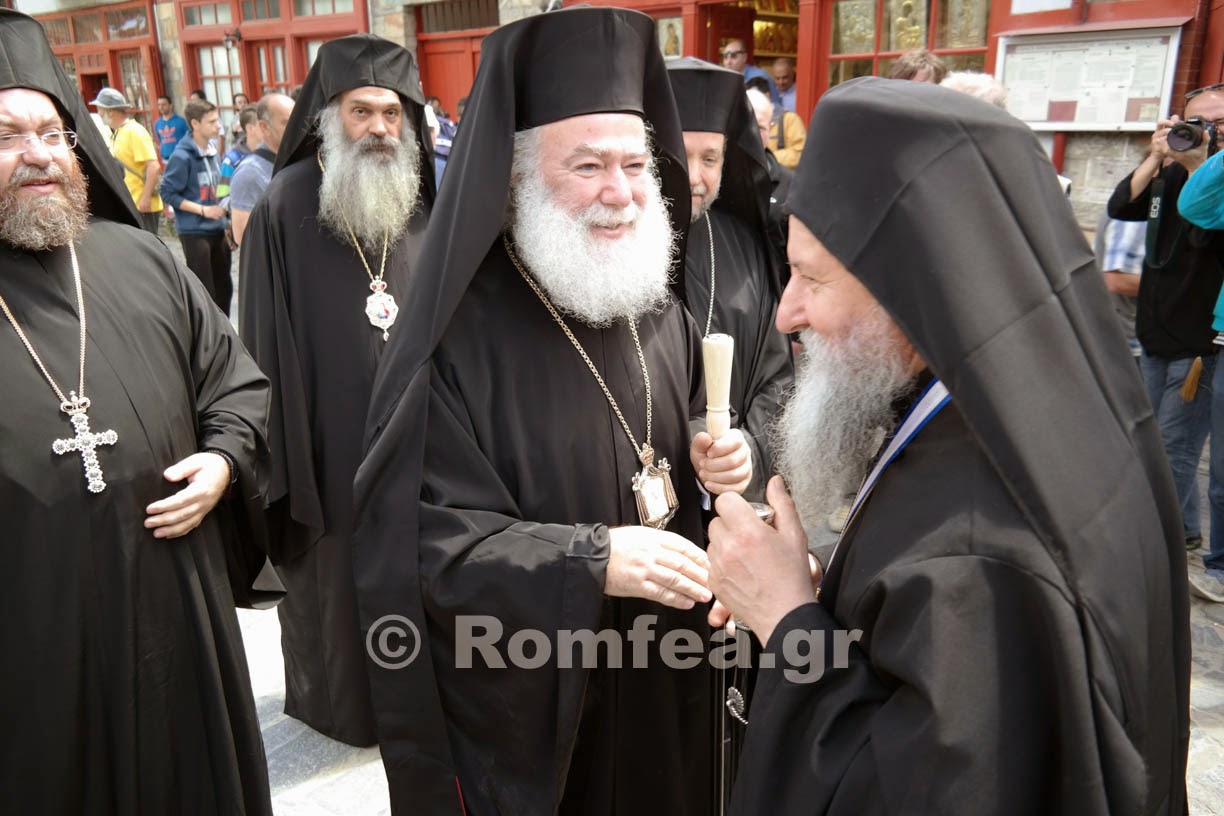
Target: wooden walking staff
x=717 y=352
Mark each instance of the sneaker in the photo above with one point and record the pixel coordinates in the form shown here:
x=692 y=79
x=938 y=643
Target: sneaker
x=1208 y=587
x=1193 y=542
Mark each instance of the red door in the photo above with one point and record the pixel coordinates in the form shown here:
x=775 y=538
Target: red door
x=448 y=64
x=91 y=84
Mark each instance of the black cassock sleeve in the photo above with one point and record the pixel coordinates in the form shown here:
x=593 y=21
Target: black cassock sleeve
x=231 y=404
x=480 y=558
x=967 y=696
x=295 y=512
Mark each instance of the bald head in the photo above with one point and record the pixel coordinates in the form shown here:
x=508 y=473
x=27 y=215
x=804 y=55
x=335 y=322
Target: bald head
x=783 y=71
x=273 y=113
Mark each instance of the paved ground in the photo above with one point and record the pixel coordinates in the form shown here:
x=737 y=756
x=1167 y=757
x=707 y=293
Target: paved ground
x=312 y=775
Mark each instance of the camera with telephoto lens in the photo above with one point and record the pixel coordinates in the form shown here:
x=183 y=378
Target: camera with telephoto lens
x=1188 y=135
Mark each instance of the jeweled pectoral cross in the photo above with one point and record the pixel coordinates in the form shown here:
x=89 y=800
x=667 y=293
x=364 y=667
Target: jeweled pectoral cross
x=84 y=441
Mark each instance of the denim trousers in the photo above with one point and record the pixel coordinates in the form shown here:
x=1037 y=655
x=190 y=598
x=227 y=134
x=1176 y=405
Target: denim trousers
x=1184 y=427
x=1215 y=484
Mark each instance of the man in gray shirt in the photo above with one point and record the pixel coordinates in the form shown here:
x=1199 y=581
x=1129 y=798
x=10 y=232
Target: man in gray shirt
x=252 y=176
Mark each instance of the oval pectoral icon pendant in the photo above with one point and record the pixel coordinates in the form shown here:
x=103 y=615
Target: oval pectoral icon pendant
x=380 y=307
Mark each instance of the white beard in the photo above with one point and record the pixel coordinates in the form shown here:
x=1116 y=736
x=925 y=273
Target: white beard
x=597 y=280
x=839 y=412
x=372 y=185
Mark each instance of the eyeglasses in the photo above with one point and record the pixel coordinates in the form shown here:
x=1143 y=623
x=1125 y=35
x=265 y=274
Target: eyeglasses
x=733 y=54
x=1219 y=86
x=51 y=139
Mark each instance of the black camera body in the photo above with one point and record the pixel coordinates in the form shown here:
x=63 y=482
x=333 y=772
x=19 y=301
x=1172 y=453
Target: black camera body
x=1188 y=134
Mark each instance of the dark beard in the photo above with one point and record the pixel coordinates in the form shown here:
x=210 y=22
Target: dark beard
x=44 y=221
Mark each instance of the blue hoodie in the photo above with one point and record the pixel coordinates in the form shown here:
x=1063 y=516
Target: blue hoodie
x=192 y=176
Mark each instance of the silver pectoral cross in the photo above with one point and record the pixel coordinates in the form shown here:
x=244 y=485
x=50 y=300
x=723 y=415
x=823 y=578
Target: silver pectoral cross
x=84 y=441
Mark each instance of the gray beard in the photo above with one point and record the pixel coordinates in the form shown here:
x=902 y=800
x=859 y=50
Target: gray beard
x=47 y=221
x=705 y=205
x=373 y=192
x=597 y=280
x=838 y=414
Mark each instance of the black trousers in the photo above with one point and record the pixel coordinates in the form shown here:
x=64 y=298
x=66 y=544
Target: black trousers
x=150 y=221
x=208 y=256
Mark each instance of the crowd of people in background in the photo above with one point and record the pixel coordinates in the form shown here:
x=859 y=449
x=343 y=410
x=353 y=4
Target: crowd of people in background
x=493 y=402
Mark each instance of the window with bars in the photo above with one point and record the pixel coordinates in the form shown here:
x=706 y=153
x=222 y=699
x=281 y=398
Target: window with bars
x=456 y=15
x=260 y=9
x=313 y=8
x=134 y=86
x=207 y=14
x=87 y=28
x=69 y=66
x=58 y=31
x=868 y=35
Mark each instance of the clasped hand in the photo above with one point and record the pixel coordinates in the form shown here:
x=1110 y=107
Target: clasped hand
x=724 y=466
x=658 y=566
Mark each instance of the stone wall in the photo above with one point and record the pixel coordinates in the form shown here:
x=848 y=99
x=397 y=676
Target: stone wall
x=510 y=10
x=171 y=53
x=392 y=20
x=1095 y=163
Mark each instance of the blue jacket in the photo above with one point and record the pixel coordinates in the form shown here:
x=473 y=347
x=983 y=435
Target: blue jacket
x=192 y=176
x=169 y=131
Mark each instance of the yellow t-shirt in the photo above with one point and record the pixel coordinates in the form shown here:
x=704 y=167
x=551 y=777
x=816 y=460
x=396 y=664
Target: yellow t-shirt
x=133 y=147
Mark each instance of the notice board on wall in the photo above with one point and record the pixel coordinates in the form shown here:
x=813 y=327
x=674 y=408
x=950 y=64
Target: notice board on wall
x=1101 y=80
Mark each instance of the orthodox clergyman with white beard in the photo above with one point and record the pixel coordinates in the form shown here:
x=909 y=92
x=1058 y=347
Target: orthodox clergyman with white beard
x=540 y=410
x=326 y=262
x=1004 y=622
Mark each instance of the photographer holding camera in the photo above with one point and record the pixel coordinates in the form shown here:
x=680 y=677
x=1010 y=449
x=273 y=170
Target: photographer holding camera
x=1182 y=273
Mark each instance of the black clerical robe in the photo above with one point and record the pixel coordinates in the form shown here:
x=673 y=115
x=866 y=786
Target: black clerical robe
x=972 y=689
x=127 y=689
x=745 y=307
x=303 y=317
x=525 y=469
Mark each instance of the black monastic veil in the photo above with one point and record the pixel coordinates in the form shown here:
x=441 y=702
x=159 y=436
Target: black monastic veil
x=486 y=412
x=1018 y=573
x=127 y=689
x=303 y=300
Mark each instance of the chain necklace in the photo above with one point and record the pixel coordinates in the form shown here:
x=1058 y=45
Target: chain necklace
x=713 y=277
x=76 y=404
x=381 y=309
x=656 y=496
